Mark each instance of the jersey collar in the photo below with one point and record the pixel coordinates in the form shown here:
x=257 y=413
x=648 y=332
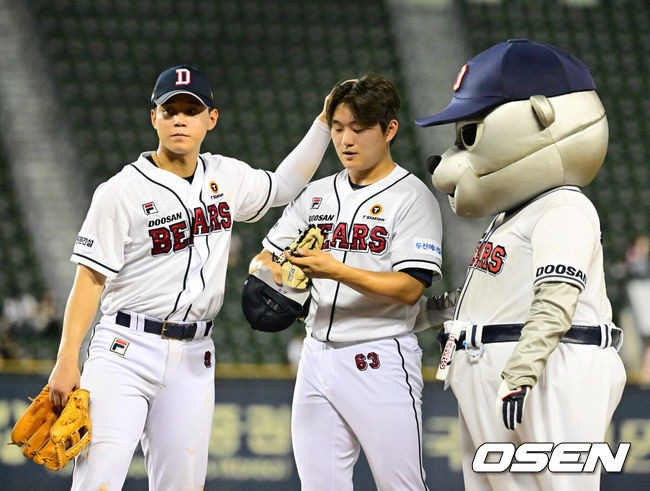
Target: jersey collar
x=164 y=177
x=397 y=173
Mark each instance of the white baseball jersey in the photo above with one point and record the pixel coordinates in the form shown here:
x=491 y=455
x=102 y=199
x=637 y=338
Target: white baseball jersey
x=553 y=238
x=391 y=225
x=162 y=242
x=358 y=348
x=556 y=237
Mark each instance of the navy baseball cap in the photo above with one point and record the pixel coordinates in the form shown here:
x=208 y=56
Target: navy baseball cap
x=182 y=79
x=512 y=71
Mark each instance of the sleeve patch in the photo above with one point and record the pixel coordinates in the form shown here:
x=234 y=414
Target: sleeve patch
x=85 y=244
x=560 y=271
x=427 y=246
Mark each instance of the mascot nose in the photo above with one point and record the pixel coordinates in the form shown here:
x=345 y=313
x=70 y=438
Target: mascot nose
x=432 y=163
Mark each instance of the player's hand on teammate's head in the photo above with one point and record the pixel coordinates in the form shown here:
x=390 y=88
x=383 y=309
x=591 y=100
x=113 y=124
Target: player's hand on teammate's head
x=510 y=405
x=323 y=115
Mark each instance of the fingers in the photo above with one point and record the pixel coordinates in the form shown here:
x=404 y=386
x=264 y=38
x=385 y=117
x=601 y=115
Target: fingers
x=63 y=380
x=277 y=272
x=60 y=393
x=510 y=408
x=512 y=414
x=315 y=263
x=277 y=276
x=308 y=252
x=323 y=115
x=59 y=398
x=505 y=413
x=510 y=405
x=299 y=256
x=54 y=398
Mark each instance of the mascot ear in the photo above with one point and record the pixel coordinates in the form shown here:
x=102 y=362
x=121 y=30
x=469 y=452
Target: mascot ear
x=543 y=110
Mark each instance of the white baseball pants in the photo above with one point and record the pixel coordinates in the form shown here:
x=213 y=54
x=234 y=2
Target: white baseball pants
x=573 y=401
x=153 y=390
x=365 y=395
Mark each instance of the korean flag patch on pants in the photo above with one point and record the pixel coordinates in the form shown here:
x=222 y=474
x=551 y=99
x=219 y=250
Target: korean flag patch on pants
x=119 y=346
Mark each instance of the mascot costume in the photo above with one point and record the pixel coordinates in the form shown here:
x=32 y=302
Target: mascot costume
x=535 y=352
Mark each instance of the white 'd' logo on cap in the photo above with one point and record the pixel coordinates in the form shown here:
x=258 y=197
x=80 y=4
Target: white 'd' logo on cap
x=182 y=76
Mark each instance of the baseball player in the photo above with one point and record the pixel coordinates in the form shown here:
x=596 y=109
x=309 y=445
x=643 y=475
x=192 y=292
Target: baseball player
x=359 y=381
x=154 y=245
x=536 y=339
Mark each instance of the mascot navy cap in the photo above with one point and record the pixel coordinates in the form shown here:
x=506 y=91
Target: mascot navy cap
x=512 y=71
x=182 y=79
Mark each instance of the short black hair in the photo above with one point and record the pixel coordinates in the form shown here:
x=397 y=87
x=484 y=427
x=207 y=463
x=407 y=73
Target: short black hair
x=373 y=99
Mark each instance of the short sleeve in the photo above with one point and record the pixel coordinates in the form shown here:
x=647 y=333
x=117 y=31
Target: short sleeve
x=417 y=237
x=255 y=192
x=101 y=241
x=563 y=241
x=287 y=227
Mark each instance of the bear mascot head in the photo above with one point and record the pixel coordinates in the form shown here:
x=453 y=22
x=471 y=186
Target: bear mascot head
x=528 y=119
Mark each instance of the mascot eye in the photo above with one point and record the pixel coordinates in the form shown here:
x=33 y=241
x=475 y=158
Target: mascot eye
x=469 y=134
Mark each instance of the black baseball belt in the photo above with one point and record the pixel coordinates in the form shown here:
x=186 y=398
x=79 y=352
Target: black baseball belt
x=165 y=329
x=505 y=333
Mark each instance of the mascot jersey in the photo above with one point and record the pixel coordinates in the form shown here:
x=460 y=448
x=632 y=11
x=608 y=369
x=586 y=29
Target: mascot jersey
x=555 y=237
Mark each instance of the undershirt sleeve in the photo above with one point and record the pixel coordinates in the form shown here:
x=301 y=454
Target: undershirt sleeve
x=550 y=317
x=424 y=275
x=297 y=169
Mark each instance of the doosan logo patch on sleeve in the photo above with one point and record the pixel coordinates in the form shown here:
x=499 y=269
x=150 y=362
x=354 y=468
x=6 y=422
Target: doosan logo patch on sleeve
x=427 y=246
x=119 y=346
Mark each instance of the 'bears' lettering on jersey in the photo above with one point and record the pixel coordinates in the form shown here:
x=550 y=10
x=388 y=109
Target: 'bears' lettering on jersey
x=488 y=257
x=363 y=238
x=175 y=237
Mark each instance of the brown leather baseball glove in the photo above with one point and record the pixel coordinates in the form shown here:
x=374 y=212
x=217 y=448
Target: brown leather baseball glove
x=50 y=438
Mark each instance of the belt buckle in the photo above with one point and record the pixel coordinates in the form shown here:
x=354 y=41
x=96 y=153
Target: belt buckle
x=163 y=333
